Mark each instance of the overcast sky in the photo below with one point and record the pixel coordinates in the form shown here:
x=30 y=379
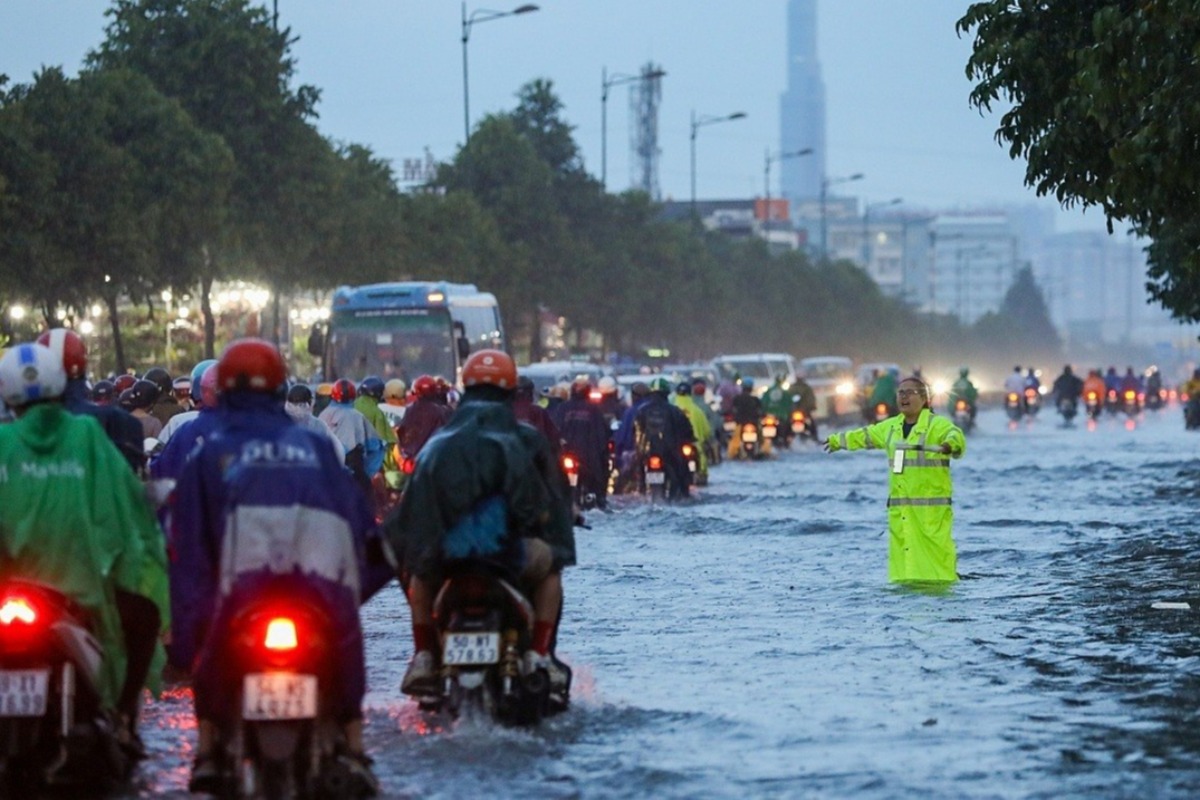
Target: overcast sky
x=390 y=75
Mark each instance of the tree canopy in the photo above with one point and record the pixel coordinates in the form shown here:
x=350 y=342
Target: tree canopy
x=1099 y=99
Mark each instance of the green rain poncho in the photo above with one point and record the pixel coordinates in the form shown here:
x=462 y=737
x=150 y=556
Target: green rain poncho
x=920 y=517
x=74 y=517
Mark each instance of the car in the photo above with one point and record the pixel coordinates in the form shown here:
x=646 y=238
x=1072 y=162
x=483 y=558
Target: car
x=764 y=368
x=832 y=382
x=545 y=374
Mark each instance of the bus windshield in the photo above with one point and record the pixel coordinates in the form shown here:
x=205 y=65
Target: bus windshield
x=392 y=343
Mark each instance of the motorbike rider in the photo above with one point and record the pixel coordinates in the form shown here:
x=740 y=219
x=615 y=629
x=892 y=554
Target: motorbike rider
x=76 y=518
x=701 y=429
x=807 y=403
x=963 y=388
x=486 y=487
x=747 y=410
x=395 y=392
x=423 y=417
x=610 y=400
x=1067 y=386
x=120 y=426
x=364 y=449
x=197 y=396
x=1154 y=386
x=103 y=395
x=585 y=435
x=660 y=429
x=165 y=405
x=1132 y=381
x=370 y=395
x=1094 y=382
x=624 y=442
x=138 y=400
x=276 y=494
x=777 y=400
x=883 y=392
x=919 y=446
x=1015 y=382
x=299 y=406
x=529 y=412
x=181 y=387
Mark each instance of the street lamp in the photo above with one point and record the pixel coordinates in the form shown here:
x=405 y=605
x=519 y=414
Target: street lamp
x=770 y=159
x=867 y=207
x=607 y=83
x=826 y=182
x=477 y=16
x=697 y=124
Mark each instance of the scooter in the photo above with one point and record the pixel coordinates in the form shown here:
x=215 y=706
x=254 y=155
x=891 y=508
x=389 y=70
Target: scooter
x=962 y=415
x=1092 y=405
x=1013 y=406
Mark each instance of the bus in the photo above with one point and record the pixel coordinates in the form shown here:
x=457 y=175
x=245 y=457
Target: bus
x=405 y=330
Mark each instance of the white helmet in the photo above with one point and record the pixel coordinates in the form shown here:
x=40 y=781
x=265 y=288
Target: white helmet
x=607 y=384
x=30 y=373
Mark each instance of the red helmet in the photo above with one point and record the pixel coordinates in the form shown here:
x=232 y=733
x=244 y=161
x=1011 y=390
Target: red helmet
x=252 y=365
x=342 y=391
x=69 y=345
x=490 y=367
x=123 y=382
x=424 y=386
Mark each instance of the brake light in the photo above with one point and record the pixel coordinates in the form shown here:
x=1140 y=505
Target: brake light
x=408 y=466
x=281 y=634
x=961 y=405
x=687 y=451
x=655 y=462
x=17 y=609
x=1012 y=397
x=798 y=415
x=595 y=396
x=1130 y=395
x=881 y=408
x=1091 y=397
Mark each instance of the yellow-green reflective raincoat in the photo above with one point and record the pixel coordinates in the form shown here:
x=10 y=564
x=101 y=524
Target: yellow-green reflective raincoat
x=700 y=427
x=920 y=517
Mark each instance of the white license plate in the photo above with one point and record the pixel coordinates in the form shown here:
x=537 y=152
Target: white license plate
x=797 y=427
x=691 y=466
x=749 y=436
x=462 y=649
x=769 y=431
x=23 y=692
x=270 y=696
x=656 y=478
x=731 y=426
x=573 y=478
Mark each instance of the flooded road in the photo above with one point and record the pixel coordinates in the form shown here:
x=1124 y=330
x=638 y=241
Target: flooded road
x=748 y=644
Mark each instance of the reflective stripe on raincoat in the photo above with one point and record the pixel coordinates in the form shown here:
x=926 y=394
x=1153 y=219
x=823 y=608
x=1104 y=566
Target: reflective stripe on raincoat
x=920 y=516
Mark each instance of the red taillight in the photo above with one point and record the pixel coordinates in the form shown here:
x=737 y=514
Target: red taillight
x=408 y=466
x=881 y=408
x=687 y=451
x=1130 y=395
x=595 y=396
x=655 y=462
x=569 y=464
x=17 y=609
x=281 y=635
x=961 y=405
x=798 y=416
x=1092 y=397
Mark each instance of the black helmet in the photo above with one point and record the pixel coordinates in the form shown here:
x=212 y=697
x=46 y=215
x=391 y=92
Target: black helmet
x=524 y=386
x=161 y=379
x=143 y=394
x=683 y=388
x=372 y=386
x=299 y=393
x=102 y=392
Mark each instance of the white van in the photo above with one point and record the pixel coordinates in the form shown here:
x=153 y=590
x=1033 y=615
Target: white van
x=762 y=367
x=832 y=381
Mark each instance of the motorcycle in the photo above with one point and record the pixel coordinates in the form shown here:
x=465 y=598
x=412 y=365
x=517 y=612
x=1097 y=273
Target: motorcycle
x=1130 y=402
x=486 y=625
x=582 y=499
x=283 y=741
x=772 y=433
x=1012 y=406
x=1033 y=401
x=692 y=459
x=1091 y=404
x=654 y=478
x=962 y=415
x=1068 y=407
x=1112 y=401
x=750 y=445
x=801 y=425
x=882 y=412
x=1156 y=399
x=53 y=731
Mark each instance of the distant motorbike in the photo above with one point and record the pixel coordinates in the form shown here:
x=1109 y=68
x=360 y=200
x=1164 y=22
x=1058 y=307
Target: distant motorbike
x=583 y=499
x=1112 y=401
x=691 y=459
x=1130 y=402
x=1092 y=404
x=1033 y=401
x=881 y=412
x=962 y=415
x=1068 y=407
x=486 y=626
x=801 y=425
x=53 y=731
x=1156 y=399
x=1013 y=406
x=749 y=441
x=773 y=433
x=284 y=741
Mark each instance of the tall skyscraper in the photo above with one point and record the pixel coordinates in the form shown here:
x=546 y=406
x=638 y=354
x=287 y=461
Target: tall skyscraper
x=802 y=106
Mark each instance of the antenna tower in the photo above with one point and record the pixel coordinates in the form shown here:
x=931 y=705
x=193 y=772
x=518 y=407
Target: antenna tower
x=645 y=95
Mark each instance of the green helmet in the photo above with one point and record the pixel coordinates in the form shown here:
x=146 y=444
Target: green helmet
x=660 y=385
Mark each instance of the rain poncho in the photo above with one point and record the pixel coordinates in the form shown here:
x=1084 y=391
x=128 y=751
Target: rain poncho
x=75 y=518
x=920 y=517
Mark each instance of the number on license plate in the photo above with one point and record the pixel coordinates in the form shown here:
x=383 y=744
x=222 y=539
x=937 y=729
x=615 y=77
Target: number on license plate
x=270 y=696
x=23 y=692
x=462 y=649
x=655 y=478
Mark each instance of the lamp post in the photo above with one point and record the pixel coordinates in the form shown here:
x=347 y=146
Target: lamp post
x=826 y=182
x=866 y=239
x=607 y=83
x=477 y=16
x=770 y=159
x=697 y=124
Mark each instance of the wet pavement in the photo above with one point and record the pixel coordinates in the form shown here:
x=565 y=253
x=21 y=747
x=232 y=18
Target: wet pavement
x=747 y=644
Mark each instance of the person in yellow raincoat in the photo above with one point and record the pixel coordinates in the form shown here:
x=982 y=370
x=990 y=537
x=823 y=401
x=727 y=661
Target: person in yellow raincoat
x=919 y=446
x=684 y=401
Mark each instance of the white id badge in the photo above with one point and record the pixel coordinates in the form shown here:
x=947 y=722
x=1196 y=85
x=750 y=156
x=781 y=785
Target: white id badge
x=898 y=461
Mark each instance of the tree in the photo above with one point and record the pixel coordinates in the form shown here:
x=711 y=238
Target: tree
x=1022 y=327
x=1103 y=109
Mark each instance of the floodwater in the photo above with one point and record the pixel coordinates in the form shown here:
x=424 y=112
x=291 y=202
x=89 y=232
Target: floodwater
x=748 y=644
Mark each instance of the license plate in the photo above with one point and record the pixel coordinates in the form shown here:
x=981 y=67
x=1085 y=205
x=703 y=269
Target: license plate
x=797 y=427
x=573 y=479
x=270 y=696
x=731 y=426
x=23 y=692
x=462 y=649
x=656 y=478
x=749 y=436
x=691 y=466
x=769 y=431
